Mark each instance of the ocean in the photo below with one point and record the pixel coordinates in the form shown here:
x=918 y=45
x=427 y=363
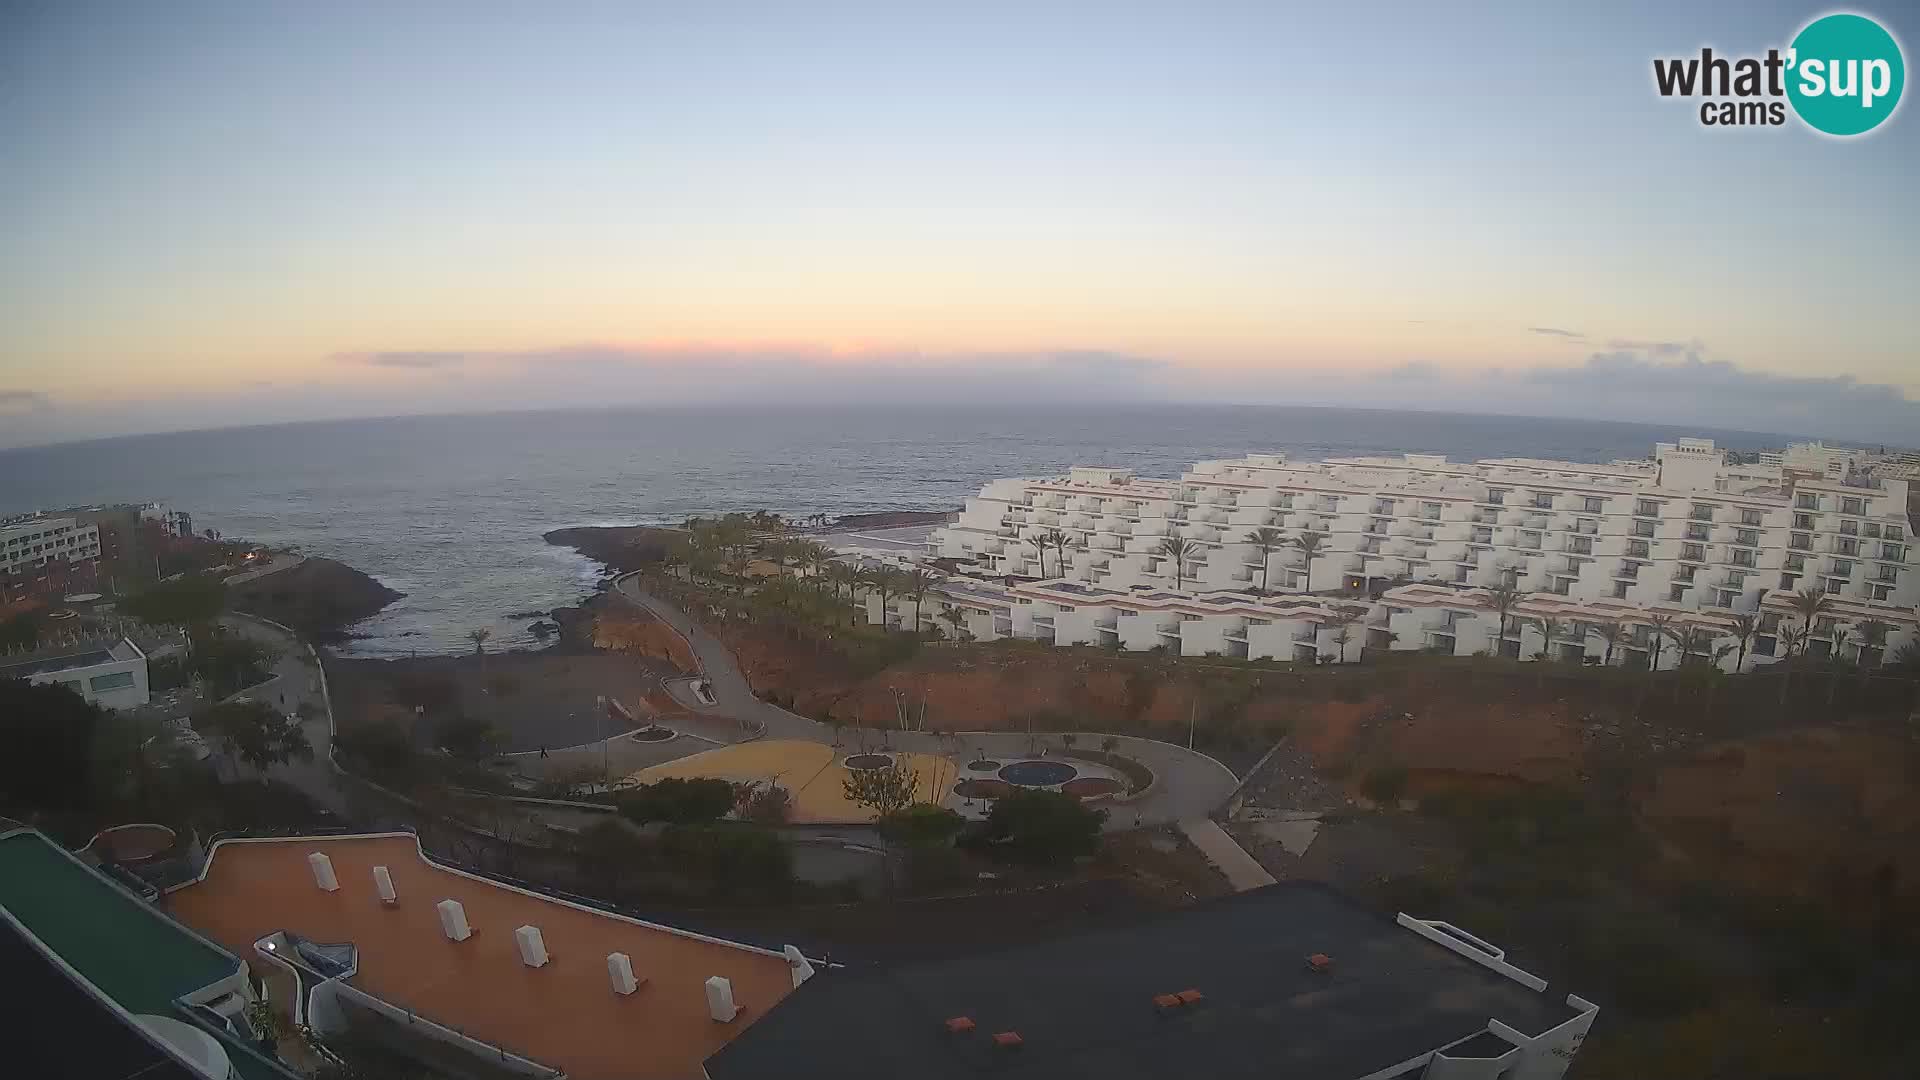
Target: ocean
x=450 y=509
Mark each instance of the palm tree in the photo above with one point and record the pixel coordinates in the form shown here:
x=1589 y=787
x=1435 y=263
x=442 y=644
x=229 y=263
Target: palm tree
x=915 y=587
x=1613 y=633
x=1873 y=636
x=1745 y=625
x=479 y=636
x=1504 y=598
x=1309 y=544
x=1344 y=616
x=1179 y=549
x=1265 y=539
x=886 y=581
x=1663 y=631
x=1038 y=542
x=1061 y=542
x=1550 y=628
x=1809 y=603
x=955 y=617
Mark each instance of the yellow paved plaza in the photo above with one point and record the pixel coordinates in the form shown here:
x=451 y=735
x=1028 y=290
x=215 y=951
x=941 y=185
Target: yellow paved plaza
x=811 y=771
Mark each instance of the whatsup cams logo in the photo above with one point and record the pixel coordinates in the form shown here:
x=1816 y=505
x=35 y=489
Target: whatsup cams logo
x=1842 y=75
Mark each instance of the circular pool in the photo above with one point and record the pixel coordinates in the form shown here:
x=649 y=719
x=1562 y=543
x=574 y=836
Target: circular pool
x=868 y=761
x=983 y=765
x=1038 y=773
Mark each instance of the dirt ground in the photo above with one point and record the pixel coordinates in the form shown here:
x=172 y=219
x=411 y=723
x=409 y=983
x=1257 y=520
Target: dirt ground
x=536 y=699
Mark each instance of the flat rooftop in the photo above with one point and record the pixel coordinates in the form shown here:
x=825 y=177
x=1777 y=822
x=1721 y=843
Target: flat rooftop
x=134 y=954
x=120 y=945
x=1084 y=1005
x=564 y=1015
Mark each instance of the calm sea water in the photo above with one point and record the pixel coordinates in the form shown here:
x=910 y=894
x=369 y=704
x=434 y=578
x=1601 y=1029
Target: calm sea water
x=450 y=509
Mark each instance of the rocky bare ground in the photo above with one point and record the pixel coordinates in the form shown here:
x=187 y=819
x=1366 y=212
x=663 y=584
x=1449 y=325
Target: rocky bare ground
x=319 y=598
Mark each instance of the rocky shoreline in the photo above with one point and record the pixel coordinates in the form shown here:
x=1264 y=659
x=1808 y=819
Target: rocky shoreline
x=618 y=547
x=318 y=599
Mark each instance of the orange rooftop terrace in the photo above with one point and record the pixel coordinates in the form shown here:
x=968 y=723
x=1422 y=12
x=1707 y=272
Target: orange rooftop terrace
x=564 y=1014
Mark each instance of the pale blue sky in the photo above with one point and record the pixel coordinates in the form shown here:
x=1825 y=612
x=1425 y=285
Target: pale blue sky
x=218 y=210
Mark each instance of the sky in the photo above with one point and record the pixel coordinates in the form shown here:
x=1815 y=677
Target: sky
x=237 y=213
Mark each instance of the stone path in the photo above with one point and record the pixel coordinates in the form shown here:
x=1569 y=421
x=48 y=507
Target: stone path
x=1188 y=784
x=1241 y=870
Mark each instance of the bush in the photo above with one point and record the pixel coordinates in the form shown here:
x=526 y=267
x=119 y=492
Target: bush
x=677 y=801
x=730 y=858
x=1385 y=784
x=468 y=738
x=765 y=804
x=921 y=826
x=1042 y=828
x=386 y=754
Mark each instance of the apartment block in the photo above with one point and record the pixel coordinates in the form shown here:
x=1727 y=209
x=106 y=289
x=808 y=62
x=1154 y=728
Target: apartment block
x=27 y=544
x=1684 y=534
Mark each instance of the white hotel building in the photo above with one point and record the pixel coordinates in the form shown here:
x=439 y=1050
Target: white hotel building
x=1684 y=535
x=27 y=544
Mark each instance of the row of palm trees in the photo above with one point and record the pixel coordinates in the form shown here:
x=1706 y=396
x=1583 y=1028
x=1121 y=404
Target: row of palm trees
x=733 y=542
x=1182 y=552
x=1810 y=604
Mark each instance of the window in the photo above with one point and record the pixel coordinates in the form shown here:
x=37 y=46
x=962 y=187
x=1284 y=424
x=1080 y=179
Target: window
x=1893 y=552
x=1677 y=594
x=1846 y=546
x=1743 y=558
x=1582 y=545
x=1747 y=538
x=1643 y=528
x=1833 y=586
x=1808 y=502
x=1496 y=497
x=1894 y=532
x=1693 y=553
x=1843 y=567
x=1702 y=512
x=1853 y=506
x=1683 y=573
x=1639 y=549
x=115 y=681
x=1849 y=528
x=1801 y=542
x=1619 y=590
x=1697 y=532
x=1749 y=517
x=1593 y=504
x=1788 y=581
x=1881 y=592
x=1888 y=573
x=1646 y=508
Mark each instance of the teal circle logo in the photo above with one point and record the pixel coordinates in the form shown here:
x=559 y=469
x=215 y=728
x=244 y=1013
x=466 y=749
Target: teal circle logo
x=1845 y=74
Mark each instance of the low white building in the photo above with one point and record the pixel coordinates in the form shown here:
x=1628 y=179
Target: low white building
x=27 y=544
x=111 y=674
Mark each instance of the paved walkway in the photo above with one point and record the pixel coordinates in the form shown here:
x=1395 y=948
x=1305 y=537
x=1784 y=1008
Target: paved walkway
x=1242 y=871
x=295 y=682
x=1188 y=784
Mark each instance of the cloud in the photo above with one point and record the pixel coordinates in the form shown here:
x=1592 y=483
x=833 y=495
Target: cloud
x=1667 y=383
x=1691 y=349
x=1680 y=386
x=1554 y=331
x=414 y=360
x=22 y=402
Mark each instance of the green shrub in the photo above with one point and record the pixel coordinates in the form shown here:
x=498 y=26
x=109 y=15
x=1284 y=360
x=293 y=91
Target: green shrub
x=730 y=858
x=678 y=801
x=1042 y=828
x=1385 y=784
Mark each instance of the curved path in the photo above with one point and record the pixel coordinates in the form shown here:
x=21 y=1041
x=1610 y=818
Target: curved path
x=1189 y=784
